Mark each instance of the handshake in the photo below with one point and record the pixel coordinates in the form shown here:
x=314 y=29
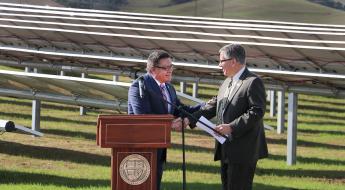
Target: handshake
x=222 y=129
x=177 y=124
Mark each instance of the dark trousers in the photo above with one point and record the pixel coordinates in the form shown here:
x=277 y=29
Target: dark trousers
x=237 y=176
x=160 y=163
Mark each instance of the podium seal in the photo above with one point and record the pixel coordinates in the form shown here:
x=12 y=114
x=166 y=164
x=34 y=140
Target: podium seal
x=134 y=169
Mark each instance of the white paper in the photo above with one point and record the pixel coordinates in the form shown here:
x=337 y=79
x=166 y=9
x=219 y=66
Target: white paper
x=209 y=131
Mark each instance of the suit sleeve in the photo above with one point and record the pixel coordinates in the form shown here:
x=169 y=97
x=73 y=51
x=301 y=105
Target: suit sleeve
x=188 y=109
x=136 y=104
x=256 y=98
x=208 y=111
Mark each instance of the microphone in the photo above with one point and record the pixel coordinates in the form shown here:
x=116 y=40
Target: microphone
x=141 y=86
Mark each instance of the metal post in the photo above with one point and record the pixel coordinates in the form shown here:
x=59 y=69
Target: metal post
x=83 y=109
x=195 y=89
x=36 y=113
x=268 y=97
x=273 y=105
x=36 y=110
x=183 y=86
x=281 y=112
x=292 y=129
x=116 y=78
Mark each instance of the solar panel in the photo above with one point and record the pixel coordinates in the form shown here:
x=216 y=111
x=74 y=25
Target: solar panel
x=122 y=41
x=70 y=90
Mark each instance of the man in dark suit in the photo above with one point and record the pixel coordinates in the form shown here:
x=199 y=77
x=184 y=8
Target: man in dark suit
x=239 y=107
x=157 y=90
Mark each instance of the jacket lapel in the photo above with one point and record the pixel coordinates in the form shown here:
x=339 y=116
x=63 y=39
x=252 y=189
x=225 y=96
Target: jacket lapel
x=157 y=91
x=221 y=92
x=236 y=88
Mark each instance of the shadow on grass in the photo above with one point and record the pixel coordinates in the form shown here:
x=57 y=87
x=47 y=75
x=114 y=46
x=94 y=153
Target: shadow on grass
x=320 y=115
x=308 y=160
x=321 y=101
x=49 y=153
x=311 y=131
x=311 y=173
x=193 y=167
x=48 y=118
x=64 y=133
x=207 y=186
x=338 y=123
x=306 y=144
x=12 y=177
x=192 y=148
x=322 y=108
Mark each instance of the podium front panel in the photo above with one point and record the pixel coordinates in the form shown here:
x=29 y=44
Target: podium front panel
x=134 y=169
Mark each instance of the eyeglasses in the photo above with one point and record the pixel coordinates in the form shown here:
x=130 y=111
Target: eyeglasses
x=167 y=68
x=221 y=61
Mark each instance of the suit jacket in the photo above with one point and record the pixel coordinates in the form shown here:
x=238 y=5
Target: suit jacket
x=244 y=110
x=152 y=101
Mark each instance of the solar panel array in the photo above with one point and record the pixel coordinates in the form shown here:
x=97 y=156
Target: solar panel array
x=307 y=58
x=72 y=90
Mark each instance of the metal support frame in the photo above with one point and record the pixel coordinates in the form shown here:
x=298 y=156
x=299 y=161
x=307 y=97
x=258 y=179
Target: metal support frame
x=281 y=112
x=195 y=89
x=36 y=115
x=36 y=107
x=292 y=129
x=81 y=108
x=268 y=95
x=183 y=87
x=273 y=105
x=116 y=78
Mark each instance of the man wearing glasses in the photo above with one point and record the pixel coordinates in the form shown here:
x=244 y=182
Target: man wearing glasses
x=239 y=108
x=154 y=96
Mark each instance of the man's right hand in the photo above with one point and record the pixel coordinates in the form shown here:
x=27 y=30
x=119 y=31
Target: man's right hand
x=177 y=124
x=186 y=122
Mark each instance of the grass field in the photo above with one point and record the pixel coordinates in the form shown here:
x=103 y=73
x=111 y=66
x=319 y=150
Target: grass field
x=278 y=10
x=67 y=156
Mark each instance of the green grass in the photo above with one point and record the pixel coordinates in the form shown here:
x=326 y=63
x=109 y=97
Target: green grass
x=67 y=156
x=278 y=10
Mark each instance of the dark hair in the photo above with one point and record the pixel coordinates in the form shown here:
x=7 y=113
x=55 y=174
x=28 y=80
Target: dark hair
x=235 y=51
x=155 y=57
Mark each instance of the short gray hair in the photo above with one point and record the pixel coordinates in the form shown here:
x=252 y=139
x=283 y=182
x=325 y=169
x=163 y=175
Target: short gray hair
x=235 y=51
x=155 y=57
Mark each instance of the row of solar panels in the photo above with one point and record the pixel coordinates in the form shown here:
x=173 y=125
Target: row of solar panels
x=307 y=57
x=70 y=90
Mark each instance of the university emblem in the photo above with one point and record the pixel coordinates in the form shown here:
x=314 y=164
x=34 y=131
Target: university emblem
x=134 y=169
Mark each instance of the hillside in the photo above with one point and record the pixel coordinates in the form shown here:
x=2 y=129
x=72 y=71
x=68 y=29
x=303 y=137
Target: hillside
x=282 y=10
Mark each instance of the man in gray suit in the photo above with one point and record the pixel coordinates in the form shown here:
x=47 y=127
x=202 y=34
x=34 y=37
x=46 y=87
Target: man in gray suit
x=239 y=107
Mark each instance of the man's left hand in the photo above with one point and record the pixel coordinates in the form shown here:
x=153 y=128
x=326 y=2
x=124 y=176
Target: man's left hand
x=177 y=124
x=224 y=129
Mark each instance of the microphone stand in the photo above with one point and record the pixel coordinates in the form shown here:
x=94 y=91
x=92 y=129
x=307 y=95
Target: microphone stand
x=183 y=159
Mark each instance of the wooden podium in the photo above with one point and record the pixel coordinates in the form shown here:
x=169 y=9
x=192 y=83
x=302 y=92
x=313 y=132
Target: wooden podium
x=134 y=140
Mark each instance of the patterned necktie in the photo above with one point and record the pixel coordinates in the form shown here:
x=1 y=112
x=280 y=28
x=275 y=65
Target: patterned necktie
x=228 y=90
x=164 y=95
x=223 y=102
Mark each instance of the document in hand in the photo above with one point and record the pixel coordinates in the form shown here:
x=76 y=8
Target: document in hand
x=209 y=131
